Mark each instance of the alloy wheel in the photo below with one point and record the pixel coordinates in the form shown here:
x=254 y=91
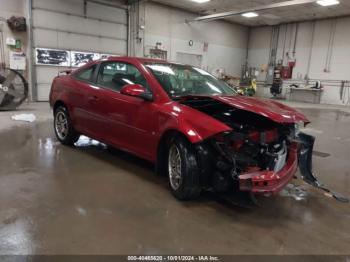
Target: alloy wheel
x=61 y=125
x=174 y=167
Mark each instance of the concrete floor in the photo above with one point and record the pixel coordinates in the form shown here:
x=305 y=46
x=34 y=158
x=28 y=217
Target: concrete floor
x=88 y=200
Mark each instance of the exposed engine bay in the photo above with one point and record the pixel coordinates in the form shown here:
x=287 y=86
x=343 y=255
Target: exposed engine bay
x=259 y=155
x=254 y=143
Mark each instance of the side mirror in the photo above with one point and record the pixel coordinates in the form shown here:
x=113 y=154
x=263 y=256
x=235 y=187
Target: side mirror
x=137 y=90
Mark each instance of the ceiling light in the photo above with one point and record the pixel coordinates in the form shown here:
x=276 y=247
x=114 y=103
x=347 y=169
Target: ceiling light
x=200 y=1
x=328 y=2
x=250 y=14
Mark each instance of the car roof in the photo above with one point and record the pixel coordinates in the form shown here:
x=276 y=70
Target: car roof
x=133 y=59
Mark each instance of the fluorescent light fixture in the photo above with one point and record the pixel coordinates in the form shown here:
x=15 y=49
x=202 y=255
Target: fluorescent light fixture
x=200 y=1
x=250 y=14
x=328 y=2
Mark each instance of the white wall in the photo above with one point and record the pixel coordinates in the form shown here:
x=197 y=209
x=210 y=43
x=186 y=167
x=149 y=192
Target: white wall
x=259 y=49
x=227 y=42
x=10 y=8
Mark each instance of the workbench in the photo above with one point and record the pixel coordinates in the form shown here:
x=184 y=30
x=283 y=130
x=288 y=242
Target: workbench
x=304 y=94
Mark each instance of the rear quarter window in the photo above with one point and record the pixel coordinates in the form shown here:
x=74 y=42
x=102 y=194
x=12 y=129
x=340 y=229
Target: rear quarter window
x=86 y=74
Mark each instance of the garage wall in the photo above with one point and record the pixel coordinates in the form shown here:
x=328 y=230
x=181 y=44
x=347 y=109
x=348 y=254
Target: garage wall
x=312 y=53
x=259 y=48
x=71 y=25
x=227 y=43
x=10 y=8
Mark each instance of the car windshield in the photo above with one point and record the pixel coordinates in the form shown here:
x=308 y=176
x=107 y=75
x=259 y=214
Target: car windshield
x=183 y=80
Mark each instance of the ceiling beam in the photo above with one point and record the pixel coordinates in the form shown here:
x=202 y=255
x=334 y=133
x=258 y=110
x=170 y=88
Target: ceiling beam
x=254 y=9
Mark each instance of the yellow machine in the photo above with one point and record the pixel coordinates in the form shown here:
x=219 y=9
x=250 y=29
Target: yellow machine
x=248 y=90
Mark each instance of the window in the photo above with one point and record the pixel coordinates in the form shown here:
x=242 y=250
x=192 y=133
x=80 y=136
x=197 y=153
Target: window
x=115 y=75
x=86 y=74
x=54 y=57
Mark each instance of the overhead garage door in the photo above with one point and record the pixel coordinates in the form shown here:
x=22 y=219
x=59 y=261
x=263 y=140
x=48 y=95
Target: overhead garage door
x=71 y=26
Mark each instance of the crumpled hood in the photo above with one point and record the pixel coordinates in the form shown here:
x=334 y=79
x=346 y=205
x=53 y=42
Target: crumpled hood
x=269 y=108
x=265 y=107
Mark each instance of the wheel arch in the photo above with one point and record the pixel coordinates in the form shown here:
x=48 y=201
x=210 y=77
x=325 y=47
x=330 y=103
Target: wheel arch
x=57 y=104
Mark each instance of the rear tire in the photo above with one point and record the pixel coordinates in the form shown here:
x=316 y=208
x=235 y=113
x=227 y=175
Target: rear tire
x=182 y=169
x=63 y=127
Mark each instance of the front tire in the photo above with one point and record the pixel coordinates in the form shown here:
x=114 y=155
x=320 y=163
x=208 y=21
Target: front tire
x=64 y=129
x=183 y=171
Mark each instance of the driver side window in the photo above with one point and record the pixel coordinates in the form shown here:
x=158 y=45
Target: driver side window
x=115 y=75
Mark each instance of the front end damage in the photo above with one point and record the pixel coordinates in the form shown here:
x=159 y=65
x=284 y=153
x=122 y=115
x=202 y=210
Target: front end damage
x=261 y=167
x=259 y=156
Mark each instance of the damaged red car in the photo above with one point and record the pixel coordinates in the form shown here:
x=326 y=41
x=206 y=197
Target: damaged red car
x=194 y=127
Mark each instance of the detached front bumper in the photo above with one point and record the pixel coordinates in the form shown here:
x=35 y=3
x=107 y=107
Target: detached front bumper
x=270 y=182
x=299 y=154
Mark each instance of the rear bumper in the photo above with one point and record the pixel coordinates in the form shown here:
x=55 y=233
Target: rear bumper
x=269 y=182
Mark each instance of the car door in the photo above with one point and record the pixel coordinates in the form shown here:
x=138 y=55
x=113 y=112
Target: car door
x=83 y=98
x=124 y=119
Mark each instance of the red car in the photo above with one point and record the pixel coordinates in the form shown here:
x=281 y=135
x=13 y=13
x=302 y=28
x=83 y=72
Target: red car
x=194 y=127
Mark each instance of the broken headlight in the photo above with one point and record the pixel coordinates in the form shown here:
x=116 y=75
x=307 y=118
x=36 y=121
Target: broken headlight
x=298 y=126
